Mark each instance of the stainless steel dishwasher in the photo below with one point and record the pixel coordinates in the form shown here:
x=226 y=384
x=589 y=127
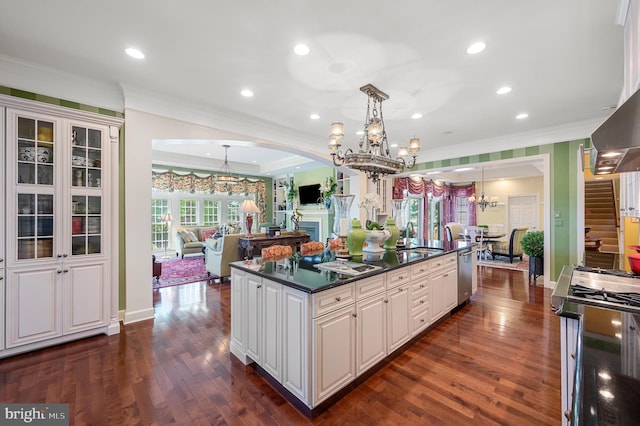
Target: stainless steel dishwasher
x=465 y=275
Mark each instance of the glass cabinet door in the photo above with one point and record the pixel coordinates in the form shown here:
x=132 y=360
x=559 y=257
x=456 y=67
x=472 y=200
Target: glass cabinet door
x=35 y=226
x=86 y=157
x=86 y=225
x=35 y=151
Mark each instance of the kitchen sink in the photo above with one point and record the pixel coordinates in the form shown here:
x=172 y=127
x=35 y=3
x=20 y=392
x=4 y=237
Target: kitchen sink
x=424 y=250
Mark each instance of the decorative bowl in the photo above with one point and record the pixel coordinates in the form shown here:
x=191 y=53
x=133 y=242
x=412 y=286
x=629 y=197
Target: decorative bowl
x=374 y=240
x=634 y=262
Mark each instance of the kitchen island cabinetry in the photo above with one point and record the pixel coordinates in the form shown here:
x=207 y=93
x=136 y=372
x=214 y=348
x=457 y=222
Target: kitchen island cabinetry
x=443 y=286
x=316 y=343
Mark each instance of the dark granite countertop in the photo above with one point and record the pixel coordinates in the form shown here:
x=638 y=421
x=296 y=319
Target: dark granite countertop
x=299 y=271
x=607 y=388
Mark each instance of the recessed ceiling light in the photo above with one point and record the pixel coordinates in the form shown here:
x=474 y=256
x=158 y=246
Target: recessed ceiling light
x=297 y=167
x=208 y=153
x=314 y=116
x=134 y=53
x=503 y=90
x=476 y=48
x=246 y=93
x=394 y=145
x=522 y=116
x=463 y=169
x=416 y=115
x=435 y=172
x=360 y=132
x=301 y=49
x=608 y=107
x=611 y=154
x=253 y=161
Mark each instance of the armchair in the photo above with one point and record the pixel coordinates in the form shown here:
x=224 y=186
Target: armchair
x=219 y=253
x=511 y=248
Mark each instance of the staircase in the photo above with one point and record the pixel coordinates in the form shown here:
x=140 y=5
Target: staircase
x=601 y=214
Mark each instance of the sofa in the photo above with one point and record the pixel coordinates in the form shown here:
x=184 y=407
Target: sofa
x=219 y=252
x=190 y=240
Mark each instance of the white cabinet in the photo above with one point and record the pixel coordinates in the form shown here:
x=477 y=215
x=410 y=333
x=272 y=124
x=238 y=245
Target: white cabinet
x=295 y=343
x=56 y=226
x=254 y=316
x=419 y=297
x=398 y=329
x=569 y=335
x=238 y=314
x=371 y=332
x=334 y=354
x=271 y=343
x=443 y=295
x=33 y=305
x=629 y=198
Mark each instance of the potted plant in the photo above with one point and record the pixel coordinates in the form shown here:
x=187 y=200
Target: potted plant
x=533 y=246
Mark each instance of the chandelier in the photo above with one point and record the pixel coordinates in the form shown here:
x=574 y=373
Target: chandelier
x=373 y=157
x=483 y=202
x=226 y=176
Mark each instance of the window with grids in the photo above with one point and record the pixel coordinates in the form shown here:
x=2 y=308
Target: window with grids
x=462 y=206
x=188 y=212
x=159 y=228
x=233 y=212
x=211 y=212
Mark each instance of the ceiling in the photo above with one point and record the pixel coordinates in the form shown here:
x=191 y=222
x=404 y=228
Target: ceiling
x=563 y=60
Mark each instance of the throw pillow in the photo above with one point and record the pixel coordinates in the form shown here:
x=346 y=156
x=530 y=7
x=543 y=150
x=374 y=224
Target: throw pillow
x=193 y=237
x=185 y=235
x=207 y=233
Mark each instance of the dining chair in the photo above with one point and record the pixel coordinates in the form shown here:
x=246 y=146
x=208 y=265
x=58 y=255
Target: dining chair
x=476 y=233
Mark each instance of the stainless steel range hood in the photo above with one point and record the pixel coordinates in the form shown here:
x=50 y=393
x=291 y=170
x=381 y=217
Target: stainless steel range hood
x=617 y=140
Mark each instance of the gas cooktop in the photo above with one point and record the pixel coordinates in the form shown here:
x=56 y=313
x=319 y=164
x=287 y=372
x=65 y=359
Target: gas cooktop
x=604 y=287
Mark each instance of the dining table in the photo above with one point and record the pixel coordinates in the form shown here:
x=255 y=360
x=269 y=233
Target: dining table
x=485 y=239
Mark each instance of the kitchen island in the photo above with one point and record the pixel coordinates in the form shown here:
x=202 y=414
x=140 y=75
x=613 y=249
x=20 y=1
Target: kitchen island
x=317 y=328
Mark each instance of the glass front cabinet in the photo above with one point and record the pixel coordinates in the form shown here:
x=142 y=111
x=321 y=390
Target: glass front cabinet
x=57 y=250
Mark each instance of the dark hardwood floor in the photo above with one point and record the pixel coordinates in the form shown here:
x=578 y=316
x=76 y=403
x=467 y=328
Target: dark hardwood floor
x=495 y=361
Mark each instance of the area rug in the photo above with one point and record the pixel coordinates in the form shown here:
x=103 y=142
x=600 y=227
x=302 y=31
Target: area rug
x=178 y=271
x=503 y=263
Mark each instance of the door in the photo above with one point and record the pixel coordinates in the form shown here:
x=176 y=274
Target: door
x=434 y=218
x=523 y=211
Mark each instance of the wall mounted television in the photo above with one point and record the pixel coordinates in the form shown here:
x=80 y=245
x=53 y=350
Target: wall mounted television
x=309 y=194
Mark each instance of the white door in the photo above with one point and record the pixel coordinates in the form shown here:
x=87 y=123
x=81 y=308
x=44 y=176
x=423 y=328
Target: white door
x=523 y=211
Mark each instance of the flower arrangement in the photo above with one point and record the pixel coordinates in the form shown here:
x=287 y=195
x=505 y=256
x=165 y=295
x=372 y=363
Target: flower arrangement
x=370 y=202
x=329 y=187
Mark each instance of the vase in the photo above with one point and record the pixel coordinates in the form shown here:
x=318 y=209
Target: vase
x=356 y=237
x=342 y=205
x=327 y=203
x=375 y=239
x=390 y=224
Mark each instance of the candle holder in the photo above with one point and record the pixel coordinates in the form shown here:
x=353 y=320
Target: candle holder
x=342 y=204
x=343 y=252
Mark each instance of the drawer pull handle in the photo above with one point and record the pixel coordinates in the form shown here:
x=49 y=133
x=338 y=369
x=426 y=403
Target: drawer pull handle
x=573 y=355
x=259 y=286
x=421 y=319
x=567 y=414
x=386 y=300
x=1 y=259
x=65 y=270
x=1 y=278
x=355 y=314
x=421 y=285
x=400 y=289
x=338 y=299
x=59 y=271
x=445 y=275
x=421 y=301
x=400 y=277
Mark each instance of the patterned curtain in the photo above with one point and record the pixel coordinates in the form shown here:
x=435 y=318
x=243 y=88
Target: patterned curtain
x=192 y=182
x=449 y=194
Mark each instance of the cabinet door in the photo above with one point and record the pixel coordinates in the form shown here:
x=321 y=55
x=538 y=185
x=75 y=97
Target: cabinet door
x=334 y=358
x=371 y=332
x=271 y=355
x=33 y=300
x=84 y=298
x=399 y=330
x=238 y=340
x=254 y=316
x=33 y=174
x=295 y=343
x=450 y=277
x=437 y=298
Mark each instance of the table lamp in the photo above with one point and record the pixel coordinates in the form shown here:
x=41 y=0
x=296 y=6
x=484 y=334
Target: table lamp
x=249 y=207
x=167 y=218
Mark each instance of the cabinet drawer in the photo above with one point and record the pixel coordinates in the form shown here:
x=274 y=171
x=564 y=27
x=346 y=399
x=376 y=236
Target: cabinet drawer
x=328 y=300
x=419 y=270
x=419 y=304
x=443 y=261
x=397 y=277
x=369 y=286
x=419 y=288
x=419 y=322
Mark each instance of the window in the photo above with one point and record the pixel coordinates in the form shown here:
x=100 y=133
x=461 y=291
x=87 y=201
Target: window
x=462 y=206
x=159 y=228
x=210 y=212
x=414 y=225
x=233 y=212
x=188 y=212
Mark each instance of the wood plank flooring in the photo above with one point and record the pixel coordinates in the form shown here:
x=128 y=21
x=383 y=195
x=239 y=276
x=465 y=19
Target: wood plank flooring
x=495 y=361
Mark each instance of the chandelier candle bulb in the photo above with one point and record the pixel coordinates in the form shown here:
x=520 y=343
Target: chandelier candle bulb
x=343 y=227
x=403 y=152
x=414 y=145
x=337 y=129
